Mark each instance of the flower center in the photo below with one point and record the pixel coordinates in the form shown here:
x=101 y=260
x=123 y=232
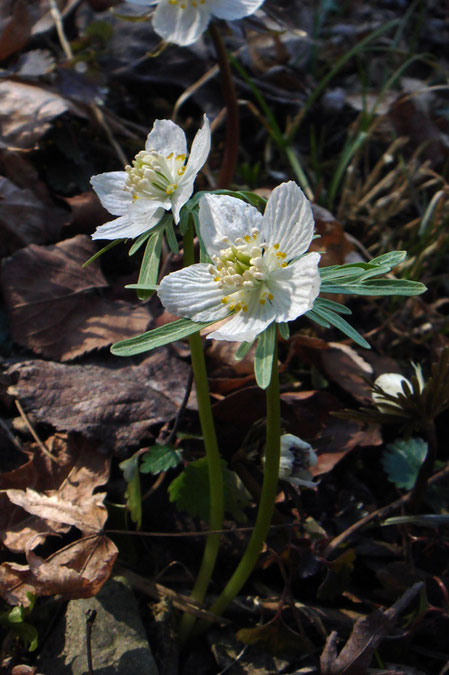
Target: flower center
x=243 y=269
x=153 y=176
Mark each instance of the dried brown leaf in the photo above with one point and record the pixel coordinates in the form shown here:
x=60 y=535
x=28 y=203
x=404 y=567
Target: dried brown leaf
x=15 y=30
x=116 y=404
x=67 y=312
x=27 y=112
x=90 y=514
x=78 y=470
x=368 y=633
x=76 y=571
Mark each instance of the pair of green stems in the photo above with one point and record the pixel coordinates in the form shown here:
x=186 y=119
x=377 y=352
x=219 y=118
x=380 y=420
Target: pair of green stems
x=269 y=485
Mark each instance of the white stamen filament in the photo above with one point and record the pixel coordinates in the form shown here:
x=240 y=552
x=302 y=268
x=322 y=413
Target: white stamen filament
x=242 y=268
x=154 y=176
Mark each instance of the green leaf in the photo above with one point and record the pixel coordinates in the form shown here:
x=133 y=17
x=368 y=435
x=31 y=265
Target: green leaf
x=284 y=330
x=333 y=306
x=139 y=242
x=341 y=324
x=177 y=330
x=103 y=250
x=190 y=491
x=28 y=634
x=130 y=468
x=171 y=238
x=160 y=458
x=402 y=461
x=149 y=267
x=242 y=350
x=263 y=358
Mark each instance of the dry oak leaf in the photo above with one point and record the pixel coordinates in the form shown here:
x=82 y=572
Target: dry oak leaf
x=25 y=218
x=60 y=310
x=15 y=29
x=27 y=112
x=77 y=571
x=78 y=470
x=116 y=403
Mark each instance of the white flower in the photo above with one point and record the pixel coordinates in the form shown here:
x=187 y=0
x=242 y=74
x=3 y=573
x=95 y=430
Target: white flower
x=256 y=276
x=297 y=457
x=183 y=21
x=391 y=383
x=158 y=180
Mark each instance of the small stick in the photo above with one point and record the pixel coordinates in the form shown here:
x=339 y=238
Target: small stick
x=379 y=513
x=91 y=615
x=232 y=118
x=30 y=428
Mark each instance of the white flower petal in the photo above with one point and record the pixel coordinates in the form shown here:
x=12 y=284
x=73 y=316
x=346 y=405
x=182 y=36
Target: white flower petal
x=199 y=151
x=181 y=23
x=192 y=293
x=245 y=326
x=295 y=287
x=179 y=198
x=120 y=228
x=288 y=220
x=222 y=216
x=234 y=9
x=110 y=188
x=166 y=138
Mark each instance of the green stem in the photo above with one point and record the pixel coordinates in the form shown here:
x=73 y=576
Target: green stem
x=231 y=149
x=267 y=499
x=215 y=470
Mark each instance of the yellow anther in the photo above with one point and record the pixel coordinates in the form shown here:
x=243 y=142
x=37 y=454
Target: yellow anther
x=245 y=308
x=284 y=264
x=254 y=236
x=238 y=307
x=262 y=301
x=270 y=296
x=247 y=238
x=171 y=188
x=225 y=300
x=276 y=246
x=231 y=307
x=171 y=154
x=182 y=5
x=181 y=157
x=217 y=279
x=181 y=170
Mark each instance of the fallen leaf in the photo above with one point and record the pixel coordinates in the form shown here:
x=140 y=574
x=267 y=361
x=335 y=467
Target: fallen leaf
x=77 y=571
x=116 y=403
x=69 y=312
x=344 y=365
x=368 y=633
x=14 y=30
x=78 y=470
x=24 y=218
x=27 y=112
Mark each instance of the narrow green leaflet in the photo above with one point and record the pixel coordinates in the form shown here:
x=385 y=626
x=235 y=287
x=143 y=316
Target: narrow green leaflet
x=243 y=350
x=284 y=330
x=103 y=250
x=177 y=330
x=130 y=468
x=333 y=306
x=149 y=267
x=171 y=238
x=139 y=242
x=263 y=358
x=327 y=315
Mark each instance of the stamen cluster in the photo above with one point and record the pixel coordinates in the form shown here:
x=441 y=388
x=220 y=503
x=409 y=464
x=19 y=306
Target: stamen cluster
x=243 y=267
x=154 y=176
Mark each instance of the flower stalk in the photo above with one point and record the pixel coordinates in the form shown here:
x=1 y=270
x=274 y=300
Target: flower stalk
x=268 y=495
x=216 y=490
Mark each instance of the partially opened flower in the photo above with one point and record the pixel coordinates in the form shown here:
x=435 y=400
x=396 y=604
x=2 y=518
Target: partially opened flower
x=159 y=179
x=392 y=384
x=183 y=21
x=258 y=273
x=297 y=457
